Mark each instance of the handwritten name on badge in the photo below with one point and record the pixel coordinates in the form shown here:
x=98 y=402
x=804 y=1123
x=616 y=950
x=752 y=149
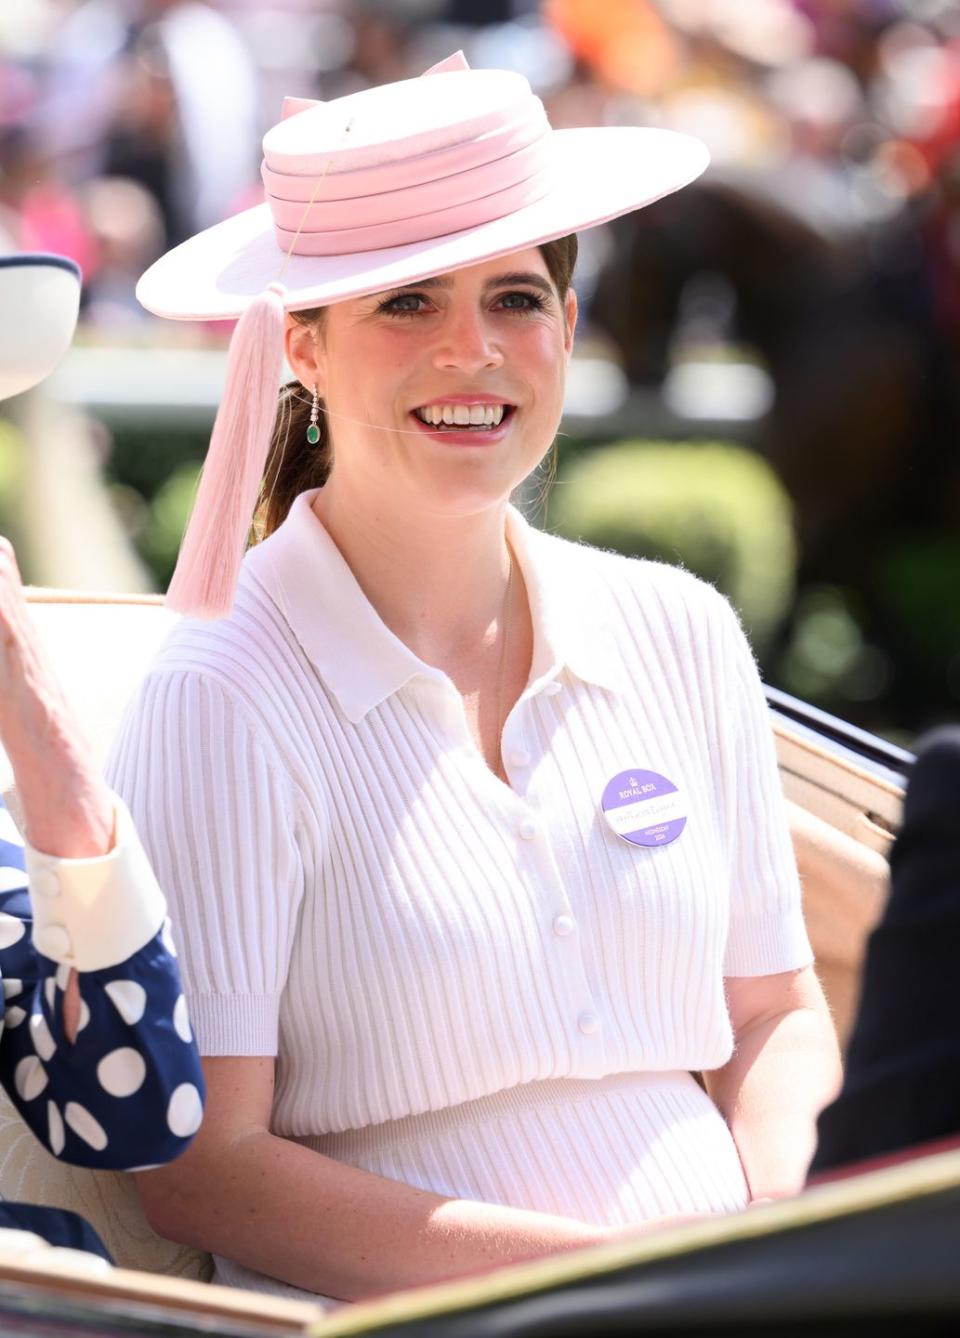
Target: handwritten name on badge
x=644 y=808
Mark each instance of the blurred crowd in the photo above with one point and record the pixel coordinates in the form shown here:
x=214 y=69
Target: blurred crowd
x=822 y=248
x=127 y=125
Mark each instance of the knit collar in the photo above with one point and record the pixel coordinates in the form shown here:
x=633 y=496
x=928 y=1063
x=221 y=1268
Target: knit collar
x=363 y=662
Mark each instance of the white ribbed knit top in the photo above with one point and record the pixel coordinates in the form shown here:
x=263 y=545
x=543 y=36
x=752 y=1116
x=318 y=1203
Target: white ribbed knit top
x=358 y=894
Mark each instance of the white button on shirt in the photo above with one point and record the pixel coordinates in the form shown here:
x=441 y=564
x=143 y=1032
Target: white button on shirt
x=54 y=942
x=518 y=758
x=563 y=925
x=528 y=829
x=588 y=1023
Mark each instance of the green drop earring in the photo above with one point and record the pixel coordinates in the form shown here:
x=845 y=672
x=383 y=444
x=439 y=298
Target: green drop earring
x=313 y=431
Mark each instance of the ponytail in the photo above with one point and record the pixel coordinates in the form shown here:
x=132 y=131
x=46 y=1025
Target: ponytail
x=294 y=465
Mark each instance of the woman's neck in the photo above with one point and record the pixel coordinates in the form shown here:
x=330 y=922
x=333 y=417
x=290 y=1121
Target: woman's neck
x=437 y=581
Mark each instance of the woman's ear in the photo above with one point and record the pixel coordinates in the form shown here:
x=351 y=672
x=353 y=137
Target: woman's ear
x=304 y=353
x=570 y=320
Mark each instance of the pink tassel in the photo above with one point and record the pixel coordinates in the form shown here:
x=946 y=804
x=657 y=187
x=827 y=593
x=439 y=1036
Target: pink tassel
x=205 y=579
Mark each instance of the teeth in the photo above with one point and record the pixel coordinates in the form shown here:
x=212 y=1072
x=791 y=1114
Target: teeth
x=462 y=415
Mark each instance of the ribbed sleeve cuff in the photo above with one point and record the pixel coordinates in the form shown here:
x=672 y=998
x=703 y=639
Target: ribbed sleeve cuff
x=235 y=1024
x=95 y=913
x=767 y=943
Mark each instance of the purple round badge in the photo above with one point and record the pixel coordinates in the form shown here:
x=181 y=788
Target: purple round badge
x=644 y=808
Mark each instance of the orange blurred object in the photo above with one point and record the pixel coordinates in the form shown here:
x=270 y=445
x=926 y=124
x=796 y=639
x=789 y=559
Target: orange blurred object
x=625 y=42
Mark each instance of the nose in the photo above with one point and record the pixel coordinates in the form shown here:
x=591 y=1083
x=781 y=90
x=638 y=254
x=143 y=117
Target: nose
x=466 y=342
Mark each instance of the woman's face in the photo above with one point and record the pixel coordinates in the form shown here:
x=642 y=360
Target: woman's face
x=446 y=393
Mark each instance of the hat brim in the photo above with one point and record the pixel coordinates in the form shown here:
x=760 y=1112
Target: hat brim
x=602 y=173
x=40 y=299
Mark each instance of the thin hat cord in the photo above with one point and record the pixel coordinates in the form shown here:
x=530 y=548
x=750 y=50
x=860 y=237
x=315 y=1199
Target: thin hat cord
x=377 y=427
x=358 y=422
x=311 y=202
x=268 y=485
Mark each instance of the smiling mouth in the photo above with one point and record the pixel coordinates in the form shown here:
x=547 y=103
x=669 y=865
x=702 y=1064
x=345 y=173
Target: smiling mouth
x=469 y=417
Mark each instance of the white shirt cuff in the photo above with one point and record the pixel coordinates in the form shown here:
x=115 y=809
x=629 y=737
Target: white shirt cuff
x=94 y=913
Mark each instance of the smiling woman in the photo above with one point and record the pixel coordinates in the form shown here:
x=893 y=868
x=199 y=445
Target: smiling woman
x=296 y=464
x=474 y=836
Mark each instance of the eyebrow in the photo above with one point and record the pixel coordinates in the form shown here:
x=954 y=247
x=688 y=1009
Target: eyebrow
x=510 y=279
x=519 y=277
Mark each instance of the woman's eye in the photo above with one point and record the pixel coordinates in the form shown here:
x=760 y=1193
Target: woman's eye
x=404 y=304
x=522 y=301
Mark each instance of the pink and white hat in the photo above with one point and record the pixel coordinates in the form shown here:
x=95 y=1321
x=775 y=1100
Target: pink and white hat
x=371 y=191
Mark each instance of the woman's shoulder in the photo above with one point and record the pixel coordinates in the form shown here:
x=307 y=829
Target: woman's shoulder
x=217 y=685
x=247 y=659
x=646 y=617
x=600 y=572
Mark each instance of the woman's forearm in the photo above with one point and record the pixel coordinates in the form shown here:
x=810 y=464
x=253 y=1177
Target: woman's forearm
x=66 y=807
x=285 y=1210
x=784 y=1070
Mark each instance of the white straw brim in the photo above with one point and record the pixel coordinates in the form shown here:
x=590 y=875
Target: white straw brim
x=602 y=173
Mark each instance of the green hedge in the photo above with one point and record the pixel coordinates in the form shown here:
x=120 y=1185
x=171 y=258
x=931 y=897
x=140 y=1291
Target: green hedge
x=166 y=519
x=11 y=481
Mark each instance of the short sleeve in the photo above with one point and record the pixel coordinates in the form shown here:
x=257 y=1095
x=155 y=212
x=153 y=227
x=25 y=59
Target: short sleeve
x=215 y=813
x=766 y=932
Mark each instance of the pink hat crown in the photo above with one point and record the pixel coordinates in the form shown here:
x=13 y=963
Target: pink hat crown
x=406 y=162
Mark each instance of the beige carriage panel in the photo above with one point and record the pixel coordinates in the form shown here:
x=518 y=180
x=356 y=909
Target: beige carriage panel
x=845 y=795
x=107 y=1199
x=100 y=647
x=48 y=1279
x=843 y=821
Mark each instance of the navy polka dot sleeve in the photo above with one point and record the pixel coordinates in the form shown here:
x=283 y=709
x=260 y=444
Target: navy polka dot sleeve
x=128 y=1092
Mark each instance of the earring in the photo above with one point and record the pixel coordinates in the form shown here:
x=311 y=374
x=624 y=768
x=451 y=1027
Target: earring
x=313 y=431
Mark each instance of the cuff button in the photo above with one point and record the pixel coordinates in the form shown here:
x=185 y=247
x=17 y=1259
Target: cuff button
x=54 y=942
x=45 y=883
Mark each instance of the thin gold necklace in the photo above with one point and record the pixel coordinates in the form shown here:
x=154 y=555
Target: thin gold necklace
x=501 y=668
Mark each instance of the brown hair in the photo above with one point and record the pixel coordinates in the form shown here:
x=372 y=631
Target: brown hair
x=294 y=465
